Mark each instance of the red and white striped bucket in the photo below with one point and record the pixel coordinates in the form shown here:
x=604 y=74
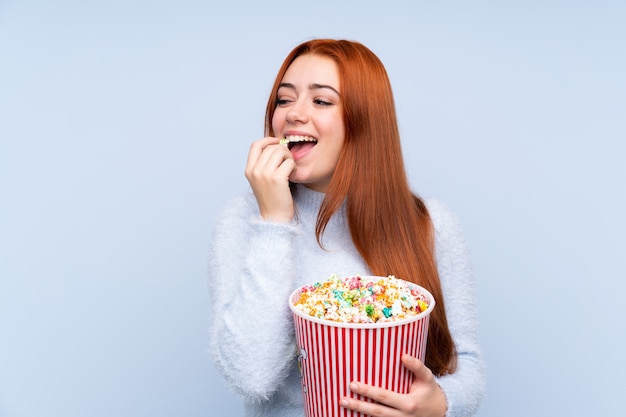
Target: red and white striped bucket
x=333 y=354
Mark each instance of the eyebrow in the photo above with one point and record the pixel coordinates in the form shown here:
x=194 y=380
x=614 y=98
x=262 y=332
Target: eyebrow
x=311 y=87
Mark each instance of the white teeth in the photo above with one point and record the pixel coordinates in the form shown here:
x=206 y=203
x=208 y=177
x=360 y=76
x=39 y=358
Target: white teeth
x=298 y=138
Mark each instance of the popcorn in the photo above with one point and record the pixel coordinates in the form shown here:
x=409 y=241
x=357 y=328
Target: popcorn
x=361 y=299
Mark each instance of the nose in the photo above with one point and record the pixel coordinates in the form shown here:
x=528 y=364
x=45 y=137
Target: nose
x=297 y=112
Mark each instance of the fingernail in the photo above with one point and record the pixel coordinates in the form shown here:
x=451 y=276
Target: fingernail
x=343 y=402
x=354 y=386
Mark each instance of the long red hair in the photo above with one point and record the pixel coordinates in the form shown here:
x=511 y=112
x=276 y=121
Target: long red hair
x=389 y=224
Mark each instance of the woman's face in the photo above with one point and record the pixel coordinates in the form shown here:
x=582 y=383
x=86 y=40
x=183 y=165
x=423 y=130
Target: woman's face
x=309 y=113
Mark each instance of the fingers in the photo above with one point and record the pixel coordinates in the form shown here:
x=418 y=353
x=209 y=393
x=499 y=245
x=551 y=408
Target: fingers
x=424 y=395
x=387 y=402
x=256 y=150
x=266 y=158
x=275 y=159
x=268 y=169
x=422 y=373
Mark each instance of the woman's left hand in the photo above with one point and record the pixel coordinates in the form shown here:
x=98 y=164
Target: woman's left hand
x=425 y=397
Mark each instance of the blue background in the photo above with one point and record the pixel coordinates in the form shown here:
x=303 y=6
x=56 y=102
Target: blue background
x=125 y=125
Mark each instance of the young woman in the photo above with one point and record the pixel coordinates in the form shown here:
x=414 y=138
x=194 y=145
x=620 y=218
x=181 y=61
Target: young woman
x=330 y=195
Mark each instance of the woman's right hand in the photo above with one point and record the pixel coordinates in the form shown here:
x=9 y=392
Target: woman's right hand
x=268 y=169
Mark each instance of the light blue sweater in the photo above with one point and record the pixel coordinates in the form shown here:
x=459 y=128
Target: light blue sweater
x=253 y=267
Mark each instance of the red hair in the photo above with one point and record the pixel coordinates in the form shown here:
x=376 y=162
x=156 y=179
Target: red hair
x=389 y=224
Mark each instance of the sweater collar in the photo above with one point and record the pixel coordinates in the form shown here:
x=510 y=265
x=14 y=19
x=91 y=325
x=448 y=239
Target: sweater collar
x=308 y=203
x=308 y=200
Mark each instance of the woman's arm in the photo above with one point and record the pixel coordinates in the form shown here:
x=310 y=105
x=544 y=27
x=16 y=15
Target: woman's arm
x=251 y=270
x=458 y=394
x=465 y=388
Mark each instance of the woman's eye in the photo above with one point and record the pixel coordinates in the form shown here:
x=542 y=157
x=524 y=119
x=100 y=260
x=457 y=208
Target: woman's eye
x=282 y=101
x=322 y=102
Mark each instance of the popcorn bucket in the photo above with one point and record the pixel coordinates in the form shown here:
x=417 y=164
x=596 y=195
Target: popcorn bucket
x=333 y=354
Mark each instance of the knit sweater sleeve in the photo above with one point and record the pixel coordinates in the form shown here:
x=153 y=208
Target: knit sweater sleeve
x=465 y=388
x=251 y=267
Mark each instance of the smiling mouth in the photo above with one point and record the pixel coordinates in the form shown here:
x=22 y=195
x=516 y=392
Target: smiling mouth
x=298 y=141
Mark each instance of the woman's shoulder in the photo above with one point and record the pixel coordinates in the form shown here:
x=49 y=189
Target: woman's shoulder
x=240 y=200
x=447 y=225
x=440 y=213
x=237 y=206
